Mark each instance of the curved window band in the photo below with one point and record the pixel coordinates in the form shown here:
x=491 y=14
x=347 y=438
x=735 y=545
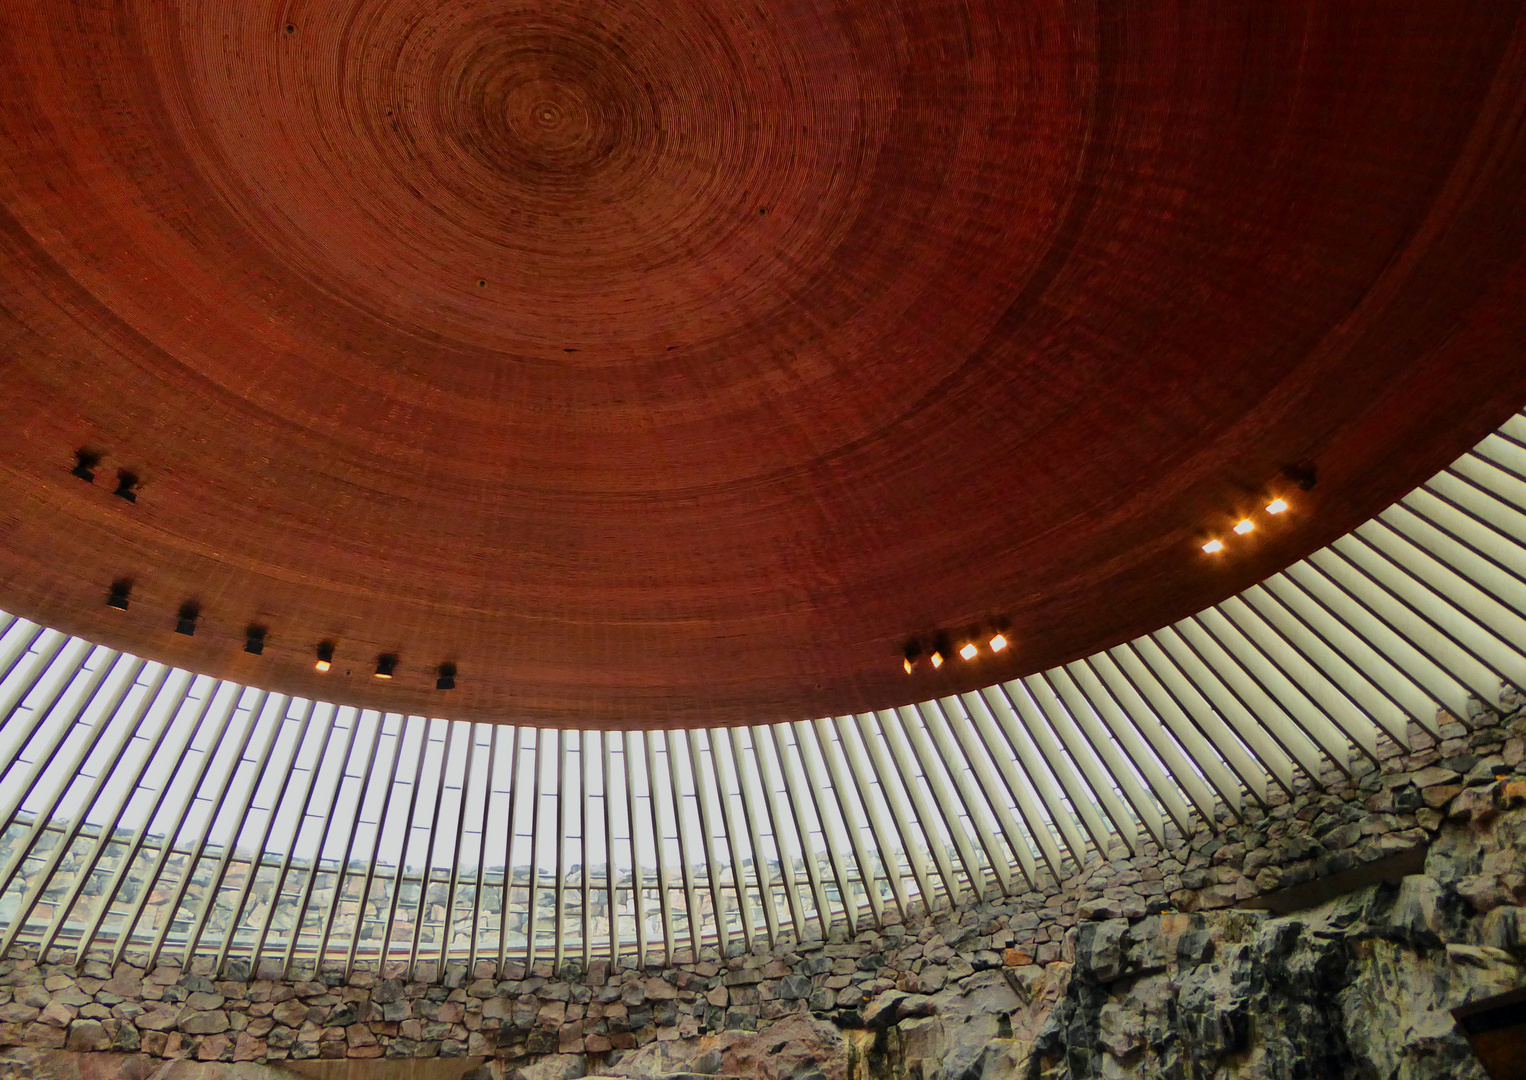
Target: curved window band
x=151 y=814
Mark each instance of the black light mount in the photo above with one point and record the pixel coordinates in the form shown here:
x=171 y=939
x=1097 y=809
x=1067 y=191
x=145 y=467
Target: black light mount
x=447 y=679
x=386 y=664
x=325 y=655
x=254 y=640
x=85 y=462
x=910 y=655
x=117 y=597
x=127 y=482
x=1303 y=474
x=185 y=623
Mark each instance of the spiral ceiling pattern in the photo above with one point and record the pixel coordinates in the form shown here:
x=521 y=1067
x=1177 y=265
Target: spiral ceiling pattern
x=672 y=363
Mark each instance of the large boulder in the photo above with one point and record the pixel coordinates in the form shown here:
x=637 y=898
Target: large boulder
x=1100 y=950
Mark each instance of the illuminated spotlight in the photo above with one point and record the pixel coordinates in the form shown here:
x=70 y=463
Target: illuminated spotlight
x=936 y=658
x=447 y=679
x=968 y=650
x=1276 y=506
x=1244 y=525
x=1213 y=547
x=385 y=664
x=117 y=598
x=185 y=622
x=910 y=655
x=325 y=656
x=126 y=481
x=998 y=642
x=254 y=640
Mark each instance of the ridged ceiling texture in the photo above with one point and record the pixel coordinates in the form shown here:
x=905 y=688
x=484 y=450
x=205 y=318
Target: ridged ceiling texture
x=159 y=814
x=670 y=364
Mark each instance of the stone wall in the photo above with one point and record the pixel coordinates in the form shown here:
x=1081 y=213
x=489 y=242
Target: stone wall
x=1137 y=966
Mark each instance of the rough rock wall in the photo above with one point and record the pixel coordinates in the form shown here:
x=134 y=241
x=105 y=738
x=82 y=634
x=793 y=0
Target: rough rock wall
x=1136 y=968
x=1360 y=987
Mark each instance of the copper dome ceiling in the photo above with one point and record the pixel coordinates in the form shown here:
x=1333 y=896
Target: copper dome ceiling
x=674 y=363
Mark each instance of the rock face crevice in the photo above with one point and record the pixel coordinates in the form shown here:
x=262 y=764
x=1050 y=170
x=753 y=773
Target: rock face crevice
x=1358 y=988
x=1139 y=967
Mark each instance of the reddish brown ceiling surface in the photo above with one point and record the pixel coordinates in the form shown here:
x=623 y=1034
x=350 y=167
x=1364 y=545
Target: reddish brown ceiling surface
x=673 y=362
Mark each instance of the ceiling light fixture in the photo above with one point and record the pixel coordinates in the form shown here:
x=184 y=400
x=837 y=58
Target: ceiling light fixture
x=385 y=664
x=447 y=679
x=126 y=482
x=910 y=655
x=186 y=621
x=1276 y=506
x=1303 y=474
x=85 y=462
x=117 y=598
x=1244 y=525
x=998 y=642
x=942 y=649
x=968 y=650
x=254 y=640
x=325 y=656
x=1213 y=547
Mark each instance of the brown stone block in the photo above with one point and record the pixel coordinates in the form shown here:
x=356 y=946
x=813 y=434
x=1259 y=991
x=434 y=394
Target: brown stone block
x=87 y=1035
x=57 y=1014
x=1510 y=794
x=1438 y=796
x=248 y=1048
x=1474 y=805
x=1434 y=775
x=292 y=1013
x=215 y=1048
x=160 y=1019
